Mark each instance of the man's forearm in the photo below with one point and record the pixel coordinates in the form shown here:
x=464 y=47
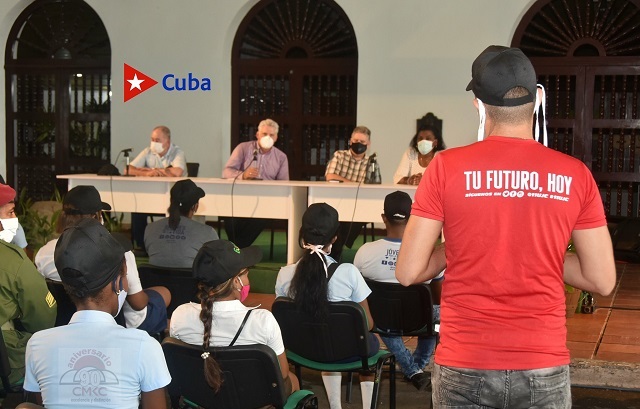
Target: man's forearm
x=334 y=176
x=592 y=267
x=135 y=171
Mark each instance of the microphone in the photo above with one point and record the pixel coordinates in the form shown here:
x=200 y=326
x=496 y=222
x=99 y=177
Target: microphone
x=373 y=171
x=255 y=155
x=126 y=158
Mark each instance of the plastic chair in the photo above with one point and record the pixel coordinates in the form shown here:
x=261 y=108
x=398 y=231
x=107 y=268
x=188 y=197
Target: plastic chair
x=251 y=378
x=5 y=369
x=66 y=307
x=179 y=281
x=344 y=335
x=401 y=311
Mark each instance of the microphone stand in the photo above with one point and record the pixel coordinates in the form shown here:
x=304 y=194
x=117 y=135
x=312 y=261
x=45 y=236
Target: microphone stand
x=126 y=158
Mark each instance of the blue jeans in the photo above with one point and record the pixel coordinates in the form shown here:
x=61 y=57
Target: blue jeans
x=411 y=364
x=548 y=388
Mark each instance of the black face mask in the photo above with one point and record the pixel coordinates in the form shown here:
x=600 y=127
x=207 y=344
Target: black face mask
x=358 y=148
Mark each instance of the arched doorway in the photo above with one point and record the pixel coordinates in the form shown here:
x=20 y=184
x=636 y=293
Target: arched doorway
x=296 y=61
x=587 y=55
x=58 y=87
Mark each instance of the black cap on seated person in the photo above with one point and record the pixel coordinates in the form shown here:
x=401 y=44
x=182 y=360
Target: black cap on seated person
x=397 y=206
x=83 y=200
x=220 y=260
x=319 y=224
x=186 y=193
x=497 y=70
x=87 y=257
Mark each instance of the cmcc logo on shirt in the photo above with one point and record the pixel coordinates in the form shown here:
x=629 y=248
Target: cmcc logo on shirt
x=136 y=82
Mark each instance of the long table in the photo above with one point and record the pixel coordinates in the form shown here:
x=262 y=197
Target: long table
x=246 y=198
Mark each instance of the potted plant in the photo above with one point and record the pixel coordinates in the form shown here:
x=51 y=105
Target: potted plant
x=39 y=219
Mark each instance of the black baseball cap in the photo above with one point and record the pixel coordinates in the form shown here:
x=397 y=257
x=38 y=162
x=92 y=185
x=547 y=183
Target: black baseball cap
x=83 y=199
x=186 y=193
x=220 y=260
x=497 y=70
x=397 y=206
x=319 y=224
x=88 y=257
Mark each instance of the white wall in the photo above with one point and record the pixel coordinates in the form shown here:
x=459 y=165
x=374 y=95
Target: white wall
x=412 y=59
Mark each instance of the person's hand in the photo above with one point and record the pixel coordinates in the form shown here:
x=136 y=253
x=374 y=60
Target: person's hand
x=250 y=173
x=414 y=179
x=155 y=172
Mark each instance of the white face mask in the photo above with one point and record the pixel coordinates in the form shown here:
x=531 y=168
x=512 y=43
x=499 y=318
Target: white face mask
x=266 y=142
x=156 y=147
x=122 y=296
x=483 y=116
x=10 y=227
x=537 y=106
x=425 y=146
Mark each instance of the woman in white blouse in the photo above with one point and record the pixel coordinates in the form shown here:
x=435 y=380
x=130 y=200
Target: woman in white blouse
x=423 y=147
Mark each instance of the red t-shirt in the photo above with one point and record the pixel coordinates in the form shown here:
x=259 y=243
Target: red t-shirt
x=508 y=207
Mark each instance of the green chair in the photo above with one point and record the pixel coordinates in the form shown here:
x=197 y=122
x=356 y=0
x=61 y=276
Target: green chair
x=325 y=346
x=251 y=378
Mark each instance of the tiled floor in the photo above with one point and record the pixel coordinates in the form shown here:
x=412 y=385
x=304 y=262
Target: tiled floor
x=611 y=333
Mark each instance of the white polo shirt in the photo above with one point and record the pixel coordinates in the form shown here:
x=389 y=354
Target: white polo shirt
x=94 y=362
x=376 y=260
x=346 y=283
x=260 y=328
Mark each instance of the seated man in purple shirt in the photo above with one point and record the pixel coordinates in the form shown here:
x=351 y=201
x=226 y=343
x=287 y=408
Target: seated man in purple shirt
x=255 y=160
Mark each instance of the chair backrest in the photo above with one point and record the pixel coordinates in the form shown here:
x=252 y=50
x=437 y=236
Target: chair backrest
x=5 y=367
x=343 y=335
x=66 y=307
x=399 y=310
x=192 y=169
x=251 y=375
x=179 y=281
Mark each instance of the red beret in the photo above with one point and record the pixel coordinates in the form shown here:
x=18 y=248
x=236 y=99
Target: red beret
x=7 y=194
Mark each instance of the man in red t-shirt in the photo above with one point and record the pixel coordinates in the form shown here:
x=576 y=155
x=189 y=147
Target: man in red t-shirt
x=508 y=206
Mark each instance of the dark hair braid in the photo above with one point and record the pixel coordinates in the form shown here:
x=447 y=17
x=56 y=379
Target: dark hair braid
x=207 y=295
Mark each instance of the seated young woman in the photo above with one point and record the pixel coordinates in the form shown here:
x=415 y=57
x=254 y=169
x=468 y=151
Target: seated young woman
x=310 y=285
x=221 y=319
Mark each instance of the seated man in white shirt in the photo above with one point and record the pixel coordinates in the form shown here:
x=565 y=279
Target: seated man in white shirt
x=160 y=158
x=94 y=362
x=144 y=309
x=377 y=261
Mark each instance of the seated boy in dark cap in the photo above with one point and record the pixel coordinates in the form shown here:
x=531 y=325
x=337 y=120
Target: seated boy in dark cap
x=145 y=309
x=93 y=361
x=376 y=261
